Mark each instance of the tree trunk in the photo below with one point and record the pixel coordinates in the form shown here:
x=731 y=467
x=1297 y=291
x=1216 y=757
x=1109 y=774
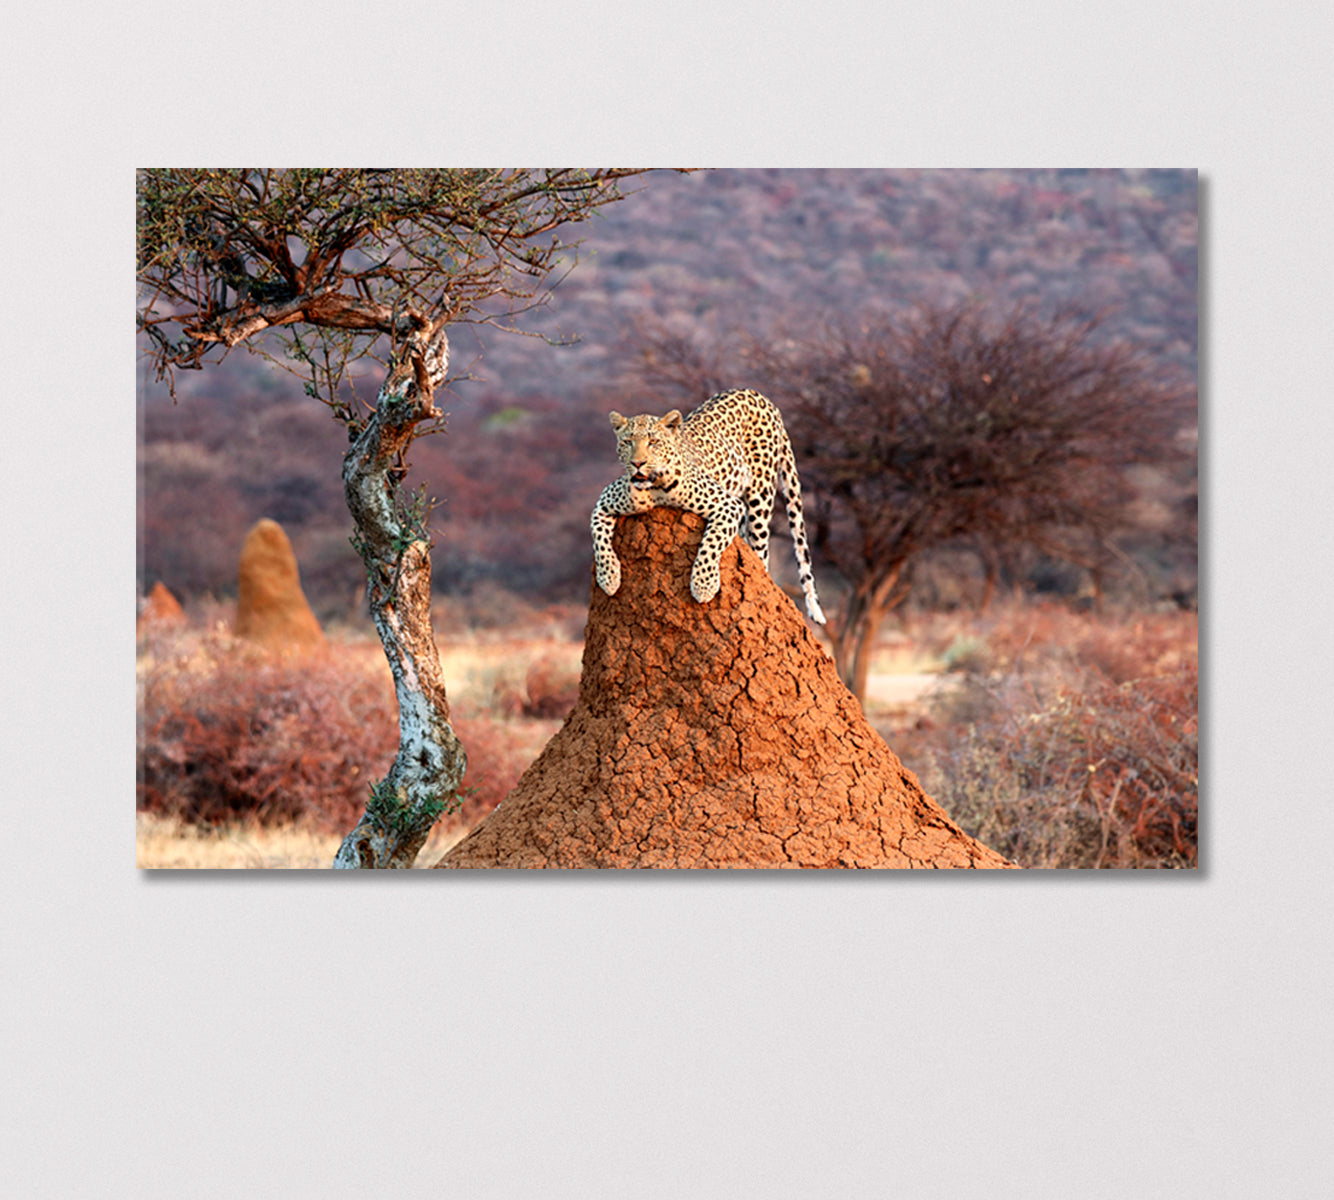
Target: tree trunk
x=872 y=616
x=843 y=637
x=863 y=615
x=1096 y=575
x=991 y=576
x=391 y=537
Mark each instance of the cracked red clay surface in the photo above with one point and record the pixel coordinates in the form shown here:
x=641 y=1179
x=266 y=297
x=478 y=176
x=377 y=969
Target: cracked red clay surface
x=711 y=735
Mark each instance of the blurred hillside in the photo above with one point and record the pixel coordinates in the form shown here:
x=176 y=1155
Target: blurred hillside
x=709 y=256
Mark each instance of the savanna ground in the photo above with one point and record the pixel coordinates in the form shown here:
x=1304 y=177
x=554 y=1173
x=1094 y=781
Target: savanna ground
x=1062 y=738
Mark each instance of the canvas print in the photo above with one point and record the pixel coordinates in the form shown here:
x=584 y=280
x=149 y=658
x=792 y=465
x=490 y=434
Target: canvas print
x=656 y=518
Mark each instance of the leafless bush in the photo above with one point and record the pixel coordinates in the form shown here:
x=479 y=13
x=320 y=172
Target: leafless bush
x=1066 y=767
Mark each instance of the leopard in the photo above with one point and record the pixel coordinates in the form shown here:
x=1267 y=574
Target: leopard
x=724 y=461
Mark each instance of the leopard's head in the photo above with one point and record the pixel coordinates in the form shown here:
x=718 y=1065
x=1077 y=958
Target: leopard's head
x=649 y=447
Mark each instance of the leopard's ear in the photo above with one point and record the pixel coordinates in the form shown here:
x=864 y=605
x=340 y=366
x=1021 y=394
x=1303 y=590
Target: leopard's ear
x=672 y=419
x=617 y=420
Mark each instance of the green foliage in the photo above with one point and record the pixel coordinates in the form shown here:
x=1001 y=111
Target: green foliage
x=390 y=810
x=413 y=515
x=323 y=357
x=965 y=654
x=507 y=418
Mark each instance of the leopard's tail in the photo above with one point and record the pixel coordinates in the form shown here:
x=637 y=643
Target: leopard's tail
x=787 y=470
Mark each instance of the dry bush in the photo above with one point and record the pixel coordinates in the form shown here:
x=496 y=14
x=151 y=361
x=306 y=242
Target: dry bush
x=1023 y=635
x=1073 y=769
x=552 y=685
x=503 y=693
x=515 y=680
x=498 y=753
x=1064 y=738
x=227 y=733
x=1120 y=646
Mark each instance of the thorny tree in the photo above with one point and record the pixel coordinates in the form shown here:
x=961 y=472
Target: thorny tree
x=341 y=264
x=954 y=428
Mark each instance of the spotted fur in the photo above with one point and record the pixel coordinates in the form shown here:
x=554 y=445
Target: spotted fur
x=724 y=461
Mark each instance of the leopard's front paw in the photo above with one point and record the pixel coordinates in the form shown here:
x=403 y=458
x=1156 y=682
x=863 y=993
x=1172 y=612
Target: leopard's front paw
x=609 y=575
x=704 y=582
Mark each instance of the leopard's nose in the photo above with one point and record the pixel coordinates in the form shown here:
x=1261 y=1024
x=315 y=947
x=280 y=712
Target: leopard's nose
x=638 y=462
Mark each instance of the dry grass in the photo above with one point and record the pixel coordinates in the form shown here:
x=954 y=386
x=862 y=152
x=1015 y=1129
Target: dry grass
x=533 y=677
x=168 y=843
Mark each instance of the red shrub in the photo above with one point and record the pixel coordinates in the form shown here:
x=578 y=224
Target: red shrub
x=496 y=758
x=226 y=733
x=552 y=686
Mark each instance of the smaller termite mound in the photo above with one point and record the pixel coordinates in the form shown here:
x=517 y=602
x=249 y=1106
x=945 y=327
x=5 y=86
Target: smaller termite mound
x=159 y=608
x=711 y=735
x=271 y=608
